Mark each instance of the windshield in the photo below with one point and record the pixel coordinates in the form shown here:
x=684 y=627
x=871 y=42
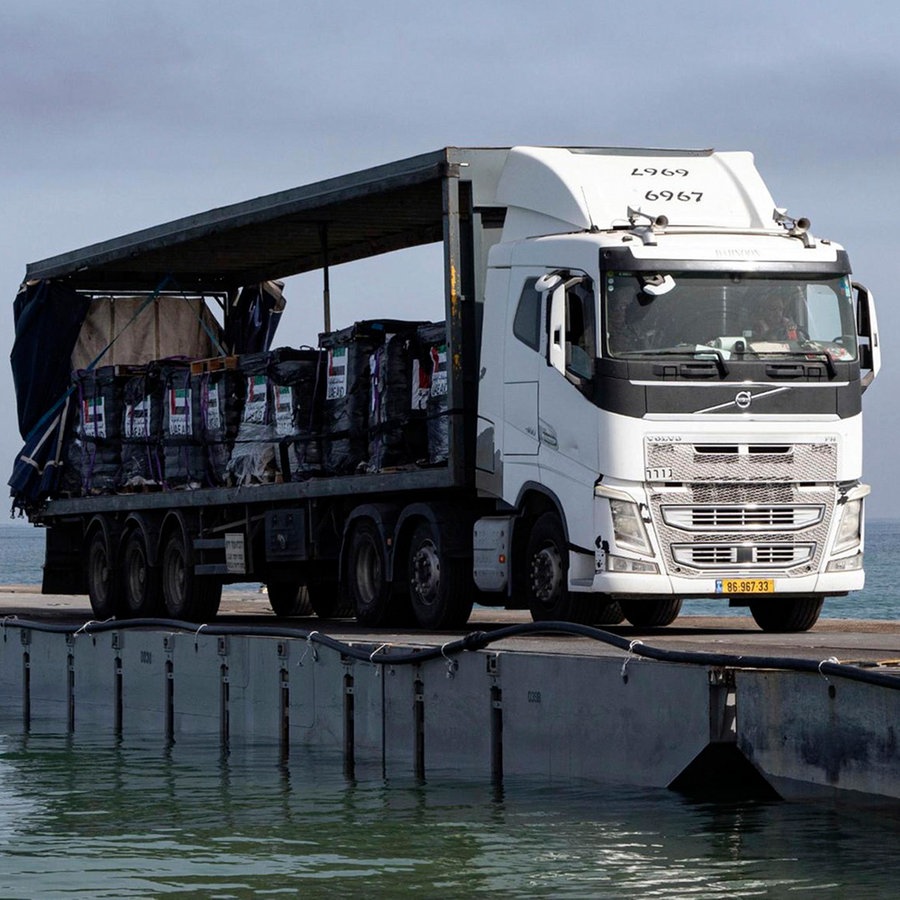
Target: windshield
x=734 y=314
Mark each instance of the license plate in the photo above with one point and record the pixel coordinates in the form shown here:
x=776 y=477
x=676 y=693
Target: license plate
x=745 y=586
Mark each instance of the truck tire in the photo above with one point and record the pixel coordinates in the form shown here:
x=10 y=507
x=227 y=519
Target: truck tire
x=142 y=596
x=104 y=589
x=325 y=598
x=186 y=596
x=651 y=613
x=287 y=598
x=440 y=590
x=787 y=615
x=608 y=612
x=365 y=585
x=546 y=576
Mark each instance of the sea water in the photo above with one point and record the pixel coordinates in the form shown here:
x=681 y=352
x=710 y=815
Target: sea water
x=95 y=815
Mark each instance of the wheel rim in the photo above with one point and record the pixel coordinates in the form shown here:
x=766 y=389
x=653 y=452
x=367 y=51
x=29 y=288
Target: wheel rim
x=426 y=573
x=546 y=574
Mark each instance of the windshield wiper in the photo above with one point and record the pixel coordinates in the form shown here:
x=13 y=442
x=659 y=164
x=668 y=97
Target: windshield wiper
x=688 y=350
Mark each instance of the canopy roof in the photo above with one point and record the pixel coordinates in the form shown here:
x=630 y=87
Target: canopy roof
x=362 y=214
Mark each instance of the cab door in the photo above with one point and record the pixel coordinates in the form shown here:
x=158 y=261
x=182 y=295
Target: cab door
x=568 y=419
x=523 y=363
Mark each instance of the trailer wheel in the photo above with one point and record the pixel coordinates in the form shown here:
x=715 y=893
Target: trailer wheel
x=365 y=586
x=651 y=613
x=287 y=598
x=546 y=579
x=103 y=586
x=787 y=615
x=141 y=580
x=440 y=591
x=186 y=596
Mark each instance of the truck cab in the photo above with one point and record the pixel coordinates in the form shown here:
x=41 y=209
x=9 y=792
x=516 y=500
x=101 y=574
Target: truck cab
x=674 y=409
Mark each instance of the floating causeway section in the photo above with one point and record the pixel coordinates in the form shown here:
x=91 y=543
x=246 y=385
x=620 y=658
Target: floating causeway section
x=562 y=706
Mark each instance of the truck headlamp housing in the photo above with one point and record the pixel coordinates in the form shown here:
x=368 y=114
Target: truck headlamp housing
x=628 y=528
x=850 y=530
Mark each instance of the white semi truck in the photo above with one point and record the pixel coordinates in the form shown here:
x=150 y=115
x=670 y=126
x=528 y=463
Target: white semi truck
x=652 y=380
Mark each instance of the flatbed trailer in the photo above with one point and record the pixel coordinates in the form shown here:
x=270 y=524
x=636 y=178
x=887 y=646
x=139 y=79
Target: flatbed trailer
x=277 y=530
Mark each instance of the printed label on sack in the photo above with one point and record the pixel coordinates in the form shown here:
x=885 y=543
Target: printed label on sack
x=180 y=411
x=93 y=417
x=284 y=410
x=255 y=405
x=336 y=387
x=421 y=386
x=137 y=419
x=213 y=408
x=439 y=371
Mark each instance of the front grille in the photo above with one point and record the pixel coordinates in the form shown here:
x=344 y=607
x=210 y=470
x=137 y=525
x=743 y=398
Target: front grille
x=750 y=518
x=776 y=527
x=742 y=556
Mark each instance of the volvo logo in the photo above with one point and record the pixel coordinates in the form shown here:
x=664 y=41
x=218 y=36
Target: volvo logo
x=743 y=399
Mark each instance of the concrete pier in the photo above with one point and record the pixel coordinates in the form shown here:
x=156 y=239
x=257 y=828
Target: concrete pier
x=559 y=706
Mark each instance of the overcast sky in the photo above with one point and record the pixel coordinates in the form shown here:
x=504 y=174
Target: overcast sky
x=117 y=116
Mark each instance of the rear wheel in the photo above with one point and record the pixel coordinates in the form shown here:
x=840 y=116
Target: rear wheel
x=365 y=585
x=651 y=613
x=103 y=587
x=141 y=580
x=186 y=596
x=325 y=598
x=440 y=592
x=288 y=598
x=546 y=579
x=787 y=615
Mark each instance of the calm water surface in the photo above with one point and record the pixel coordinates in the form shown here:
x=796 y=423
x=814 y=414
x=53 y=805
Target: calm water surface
x=92 y=817
x=87 y=815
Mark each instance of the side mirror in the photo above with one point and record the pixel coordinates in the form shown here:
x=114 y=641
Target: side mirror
x=557 y=342
x=867 y=329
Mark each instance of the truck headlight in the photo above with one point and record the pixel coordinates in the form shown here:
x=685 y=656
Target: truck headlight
x=628 y=528
x=850 y=530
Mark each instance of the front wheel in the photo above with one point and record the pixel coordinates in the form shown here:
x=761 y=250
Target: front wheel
x=546 y=580
x=185 y=595
x=651 y=613
x=787 y=615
